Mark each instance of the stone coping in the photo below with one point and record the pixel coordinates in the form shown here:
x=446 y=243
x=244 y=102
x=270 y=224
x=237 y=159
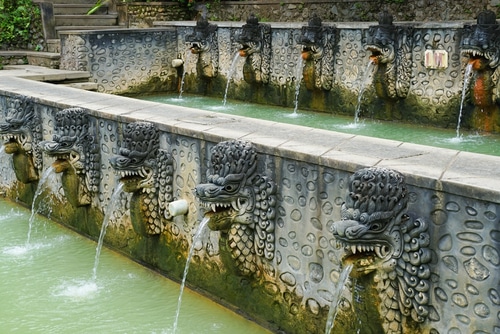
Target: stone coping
x=467 y=174
x=340 y=25
x=24 y=53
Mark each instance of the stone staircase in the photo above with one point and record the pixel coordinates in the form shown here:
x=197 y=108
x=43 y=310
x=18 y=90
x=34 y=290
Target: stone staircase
x=64 y=15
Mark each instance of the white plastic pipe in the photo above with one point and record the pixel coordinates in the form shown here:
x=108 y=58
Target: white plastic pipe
x=178 y=208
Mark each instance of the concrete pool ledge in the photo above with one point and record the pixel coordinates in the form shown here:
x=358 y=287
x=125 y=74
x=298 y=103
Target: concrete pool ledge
x=462 y=173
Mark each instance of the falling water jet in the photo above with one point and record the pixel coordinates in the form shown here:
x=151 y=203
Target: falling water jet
x=196 y=237
x=467 y=76
x=47 y=175
x=337 y=292
x=181 y=89
x=230 y=74
x=367 y=75
x=298 y=78
x=114 y=201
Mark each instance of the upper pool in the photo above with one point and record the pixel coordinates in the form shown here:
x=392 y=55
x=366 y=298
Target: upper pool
x=411 y=133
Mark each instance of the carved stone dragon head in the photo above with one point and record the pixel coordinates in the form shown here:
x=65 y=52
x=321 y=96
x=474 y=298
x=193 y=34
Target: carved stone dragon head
x=146 y=171
x=136 y=160
x=481 y=42
x=381 y=40
x=241 y=202
x=255 y=40
x=379 y=236
x=75 y=146
x=204 y=43
x=21 y=132
x=311 y=39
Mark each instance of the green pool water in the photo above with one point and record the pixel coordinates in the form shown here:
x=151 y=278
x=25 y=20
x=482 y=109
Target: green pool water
x=412 y=133
x=47 y=287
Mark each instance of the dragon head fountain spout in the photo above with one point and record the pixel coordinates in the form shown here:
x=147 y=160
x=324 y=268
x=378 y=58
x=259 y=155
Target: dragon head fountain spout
x=379 y=237
x=255 y=40
x=74 y=145
x=203 y=42
x=145 y=171
x=481 y=46
x=317 y=51
x=21 y=132
x=240 y=202
x=391 y=51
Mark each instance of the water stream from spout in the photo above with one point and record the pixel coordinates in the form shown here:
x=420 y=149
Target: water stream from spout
x=113 y=203
x=196 y=237
x=45 y=181
x=230 y=74
x=181 y=89
x=337 y=293
x=366 y=78
x=298 y=79
x=467 y=76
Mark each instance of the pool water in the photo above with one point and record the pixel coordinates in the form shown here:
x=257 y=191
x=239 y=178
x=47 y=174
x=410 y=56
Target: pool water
x=411 y=133
x=47 y=287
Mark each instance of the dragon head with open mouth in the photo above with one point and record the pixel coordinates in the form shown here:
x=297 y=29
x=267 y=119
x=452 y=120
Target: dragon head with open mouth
x=481 y=45
x=317 y=51
x=391 y=50
x=379 y=236
x=255 y=40
x=21 y=132
x=203 y=42
x=74 y=145
x=145 y=171
x=240 y=202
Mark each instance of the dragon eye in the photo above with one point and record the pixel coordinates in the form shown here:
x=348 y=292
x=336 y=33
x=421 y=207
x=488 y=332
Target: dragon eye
x=377 y=226
x=230 y=187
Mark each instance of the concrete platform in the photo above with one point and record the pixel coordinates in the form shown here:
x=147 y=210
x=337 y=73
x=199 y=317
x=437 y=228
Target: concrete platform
x=78 y=79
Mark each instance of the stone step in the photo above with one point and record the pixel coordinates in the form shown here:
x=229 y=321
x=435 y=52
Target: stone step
x=92 y=86
x=78 y=9
x=39 y=73
x=86 y=20
x=88 y=2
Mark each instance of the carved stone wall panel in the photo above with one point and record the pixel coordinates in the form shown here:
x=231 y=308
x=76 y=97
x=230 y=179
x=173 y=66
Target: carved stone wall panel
x=119 y=62
x=285 y=57
x=308 y=260
x=351 y=59
x=466 y=263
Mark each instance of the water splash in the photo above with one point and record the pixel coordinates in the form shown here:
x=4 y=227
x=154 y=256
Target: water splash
x=367 y=76
x=181 y=89
x=337 y=292
x=298 y=79
x=113 y=203
x=45 y=181
x=230 y=74
x=196 y=237
x=465 y=86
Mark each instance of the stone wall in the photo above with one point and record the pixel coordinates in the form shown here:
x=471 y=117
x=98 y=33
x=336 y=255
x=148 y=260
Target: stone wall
x=123 y=62
x=455 y=195
x=142 y=14
x=434 y=95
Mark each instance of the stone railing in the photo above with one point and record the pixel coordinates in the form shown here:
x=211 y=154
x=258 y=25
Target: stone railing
x=289 y=207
